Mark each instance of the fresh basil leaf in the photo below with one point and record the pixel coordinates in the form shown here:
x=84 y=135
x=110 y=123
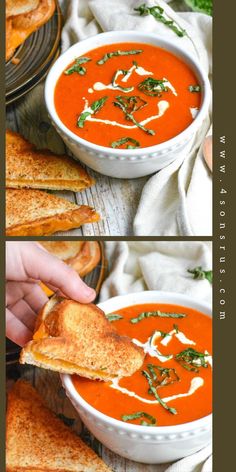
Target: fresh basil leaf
x=95 y=107
x=113 y=317
x=76 y=67
x=153 y=87
x=200 y=274
x=140 y=414
x=109 y=55
x=148 y=314
x=157 y=13
x=125 y=140
x=194 y=88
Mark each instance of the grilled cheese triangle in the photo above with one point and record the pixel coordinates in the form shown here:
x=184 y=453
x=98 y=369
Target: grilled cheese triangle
x=27 y=167
x=38 y=441
x=26 y=23
x=37 y=213
x=74 y=338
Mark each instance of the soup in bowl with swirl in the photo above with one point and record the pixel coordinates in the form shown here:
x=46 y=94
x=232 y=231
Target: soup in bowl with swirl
x=126 y=102
x=168 y=401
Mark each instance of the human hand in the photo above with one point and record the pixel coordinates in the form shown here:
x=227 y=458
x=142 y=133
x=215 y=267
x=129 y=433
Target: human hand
x=28 y=263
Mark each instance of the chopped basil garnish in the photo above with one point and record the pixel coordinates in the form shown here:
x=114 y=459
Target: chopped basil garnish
x=123 y=104
x=194 y=88
x=157 y=13
x=200 y=274
x=140 y=414
x=132 y=103
x=113 y=317
x=153 y=87
x=95 y=107
x=77 y=66
x=153 y=391
x=160 y=314
x=122 y=141
x=191 y=360
x=108 y=55
x=162 y=376
x=119 y=87
x=175 y=326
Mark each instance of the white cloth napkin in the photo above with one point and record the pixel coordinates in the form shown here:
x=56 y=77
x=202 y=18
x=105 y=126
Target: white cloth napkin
x=157 y=265
x=136 y=266
x=178 y=199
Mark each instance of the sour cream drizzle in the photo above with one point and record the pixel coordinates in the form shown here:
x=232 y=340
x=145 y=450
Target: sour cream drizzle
x=180 y=336
x=193 y=111
x=163 y=105
x=196 y=383
x=138 y=70
x=100 y=86
x=170 y=86
x=151 y=349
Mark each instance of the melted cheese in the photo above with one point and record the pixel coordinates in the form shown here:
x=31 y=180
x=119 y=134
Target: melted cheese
x=70 y=367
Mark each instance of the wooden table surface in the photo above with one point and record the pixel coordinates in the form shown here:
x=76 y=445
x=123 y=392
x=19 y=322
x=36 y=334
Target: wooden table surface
x=49 y=386
x=116 y=200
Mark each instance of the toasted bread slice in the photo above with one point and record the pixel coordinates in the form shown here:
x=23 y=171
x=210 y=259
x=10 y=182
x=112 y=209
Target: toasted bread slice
x=26 y=167
x=37 y=440
x=19 y=7
x=25 y=24
x=83 y=256
x=74 y=338
x=37 y=213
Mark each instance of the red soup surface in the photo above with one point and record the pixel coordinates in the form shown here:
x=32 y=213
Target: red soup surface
x=141 y=96
x=189 y=377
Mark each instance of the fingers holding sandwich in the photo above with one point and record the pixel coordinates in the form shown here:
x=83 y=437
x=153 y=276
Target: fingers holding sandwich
x=16 y=330
x=29 y=261
x=26 y=264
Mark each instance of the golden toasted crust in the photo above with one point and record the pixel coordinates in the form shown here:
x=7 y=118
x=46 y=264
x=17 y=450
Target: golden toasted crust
x=75 y=338
x=64 y=250
x=25 y=24
x=19 y=7
x=38 y=213
x=87 y=259
x=82 y=256
x=37 y=440
x=26 y=167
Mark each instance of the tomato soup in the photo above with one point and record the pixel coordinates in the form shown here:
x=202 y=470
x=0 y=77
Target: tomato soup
x=127 y=96
x=174 y=385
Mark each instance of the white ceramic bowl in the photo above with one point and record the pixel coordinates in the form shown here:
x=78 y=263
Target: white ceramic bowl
x=153 y=445
x=125 y=163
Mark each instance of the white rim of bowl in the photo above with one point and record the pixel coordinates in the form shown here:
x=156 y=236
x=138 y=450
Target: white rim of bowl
x=174 y=429
x=154 y=38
